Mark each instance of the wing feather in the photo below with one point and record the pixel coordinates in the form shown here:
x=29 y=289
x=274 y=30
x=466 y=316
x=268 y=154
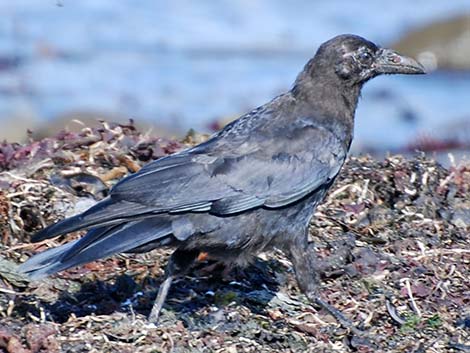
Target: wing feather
x=223 y=179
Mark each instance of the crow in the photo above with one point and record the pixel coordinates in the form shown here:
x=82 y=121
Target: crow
x=251 y=187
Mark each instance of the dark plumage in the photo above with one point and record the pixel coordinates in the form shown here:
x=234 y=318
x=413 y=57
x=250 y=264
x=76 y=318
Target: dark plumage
x=252 y=186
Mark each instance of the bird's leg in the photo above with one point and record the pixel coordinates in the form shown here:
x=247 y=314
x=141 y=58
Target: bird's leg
x=178 y=264
x=160 y=300
x=306 y=267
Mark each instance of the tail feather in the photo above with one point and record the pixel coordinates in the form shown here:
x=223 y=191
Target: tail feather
x=105 y=212
x=97 y=243
x=45 y=263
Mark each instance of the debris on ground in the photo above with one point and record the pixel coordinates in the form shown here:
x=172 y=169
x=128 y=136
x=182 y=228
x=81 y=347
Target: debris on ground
x=395 y=233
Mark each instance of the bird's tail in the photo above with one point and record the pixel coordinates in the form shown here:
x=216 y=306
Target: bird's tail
x=105 y=212
x=98 y=243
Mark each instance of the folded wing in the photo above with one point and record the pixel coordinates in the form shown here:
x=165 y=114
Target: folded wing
x=223 y=176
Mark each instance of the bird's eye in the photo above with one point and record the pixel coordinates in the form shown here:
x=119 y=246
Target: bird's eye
x=365 y=56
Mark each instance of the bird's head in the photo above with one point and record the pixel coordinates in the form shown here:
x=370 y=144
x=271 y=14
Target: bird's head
x=357 y=60
x=339 y=69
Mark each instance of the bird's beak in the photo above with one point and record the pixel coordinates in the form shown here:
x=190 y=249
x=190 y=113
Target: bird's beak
x=390 y=62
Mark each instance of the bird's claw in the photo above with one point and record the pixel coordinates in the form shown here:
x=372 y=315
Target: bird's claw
x=359 y=337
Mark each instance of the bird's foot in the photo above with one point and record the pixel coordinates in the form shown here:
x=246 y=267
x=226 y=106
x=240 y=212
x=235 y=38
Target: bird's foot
x=150 y=326
x=359 y=337
x=337 y=314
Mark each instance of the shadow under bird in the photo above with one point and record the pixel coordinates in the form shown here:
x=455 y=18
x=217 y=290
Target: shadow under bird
x=251 y=187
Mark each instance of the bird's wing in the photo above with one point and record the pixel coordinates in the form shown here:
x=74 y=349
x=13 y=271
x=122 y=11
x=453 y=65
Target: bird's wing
x=223 y=177
x=263 y=159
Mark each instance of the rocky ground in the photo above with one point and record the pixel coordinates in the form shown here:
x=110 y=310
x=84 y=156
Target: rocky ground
x=401 y=226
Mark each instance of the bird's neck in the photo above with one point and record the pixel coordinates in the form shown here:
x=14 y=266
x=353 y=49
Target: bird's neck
x=329 y=99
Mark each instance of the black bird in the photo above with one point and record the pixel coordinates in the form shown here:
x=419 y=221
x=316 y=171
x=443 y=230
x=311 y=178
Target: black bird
x=252 y=186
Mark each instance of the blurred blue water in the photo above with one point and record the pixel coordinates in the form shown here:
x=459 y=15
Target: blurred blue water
x=187 y=63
